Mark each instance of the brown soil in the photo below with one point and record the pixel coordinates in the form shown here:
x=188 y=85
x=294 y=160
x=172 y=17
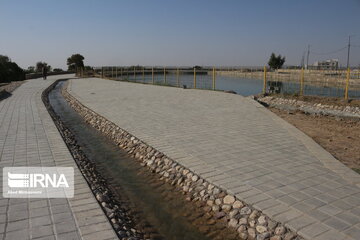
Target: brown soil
x=340 y=137
x=323 y=100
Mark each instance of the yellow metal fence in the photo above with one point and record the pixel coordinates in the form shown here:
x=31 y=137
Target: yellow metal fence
x=337 y=83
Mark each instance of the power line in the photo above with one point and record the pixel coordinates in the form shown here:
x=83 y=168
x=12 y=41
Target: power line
x=328 y=53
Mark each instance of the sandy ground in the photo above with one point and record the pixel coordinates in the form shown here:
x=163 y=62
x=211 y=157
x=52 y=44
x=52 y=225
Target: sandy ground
x=340 y=137
x=9 y=87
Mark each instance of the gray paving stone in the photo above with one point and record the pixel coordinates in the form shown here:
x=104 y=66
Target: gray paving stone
x=69 y=236
x=41 y=231
x=331 y=235
x=41 y=221
x=336 y=223
x=18 y=225
x=64 y=227
x=354 y=232
x=22 y=234
x=310 y=232
x=288 y=215
x=38 y=212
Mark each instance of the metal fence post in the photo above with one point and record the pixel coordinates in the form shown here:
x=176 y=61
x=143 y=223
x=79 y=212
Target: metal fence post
x=121 y=72
x=177 y=77
x=152 y=75
x=264 y=87
x=194 y=77
x=134 y=74
x=213 y=78
x=347 y=84
x=112 y=72
x=164 y=75
x=116 y=72
x=143 y=74
x=302 y=82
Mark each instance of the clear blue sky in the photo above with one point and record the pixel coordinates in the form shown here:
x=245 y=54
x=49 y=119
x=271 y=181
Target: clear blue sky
x=182 y=32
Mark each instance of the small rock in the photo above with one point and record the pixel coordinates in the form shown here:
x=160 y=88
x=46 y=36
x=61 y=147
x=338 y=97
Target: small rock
x=271 y=224
x=242 y=228
x=210 y=203
x=207 y=209
x=216 y=191
x=226 y=207
x=243 y=235
x=228 y=199
x=252 y=233
x=194 y=178
x=238 y=204
x=254 y=214
x=262 y=220
x=233 y=213
x=233 y=223
x=218 y=201
x=245 y=211
x=280 y=230
x=219 y=215
x=263 y=236
x=289 y=236
x=252 y=223
x=221 y=195
x=215 y=208
x=243 y=221
x=261 y=229
x=276 y=238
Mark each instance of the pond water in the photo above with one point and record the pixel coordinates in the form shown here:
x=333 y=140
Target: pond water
x=242 y=86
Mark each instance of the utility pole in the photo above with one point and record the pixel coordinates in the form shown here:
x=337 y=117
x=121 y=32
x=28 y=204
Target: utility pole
x=348 y=56
x=302 y=60
x=307 y=59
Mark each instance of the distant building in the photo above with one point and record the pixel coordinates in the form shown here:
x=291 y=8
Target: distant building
x=331 y=64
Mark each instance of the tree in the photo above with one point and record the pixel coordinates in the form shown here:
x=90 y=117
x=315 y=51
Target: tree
x=4 y=59
x=40 y=65
x=75 y=61
x=57 y=70
x=10 y=71
x=276 y=62
x=30 y=69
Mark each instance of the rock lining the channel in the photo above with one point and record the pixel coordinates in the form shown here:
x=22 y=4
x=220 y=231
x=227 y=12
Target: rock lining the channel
x=309 y=108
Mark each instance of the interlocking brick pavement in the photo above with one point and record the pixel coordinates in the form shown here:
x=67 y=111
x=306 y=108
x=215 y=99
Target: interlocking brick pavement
x=239 y=145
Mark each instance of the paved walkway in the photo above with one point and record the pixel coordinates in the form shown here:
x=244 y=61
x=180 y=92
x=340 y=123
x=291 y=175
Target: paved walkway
x=28 y=137
x=237 y=144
